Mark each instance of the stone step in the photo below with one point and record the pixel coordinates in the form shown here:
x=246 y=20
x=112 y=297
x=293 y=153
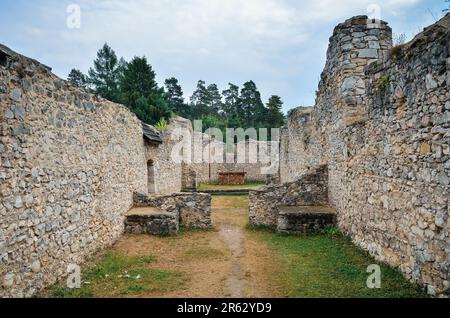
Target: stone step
x=305 y=219
x=151 y=220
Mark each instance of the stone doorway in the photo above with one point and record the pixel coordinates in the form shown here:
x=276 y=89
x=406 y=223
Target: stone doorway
x=151 y=177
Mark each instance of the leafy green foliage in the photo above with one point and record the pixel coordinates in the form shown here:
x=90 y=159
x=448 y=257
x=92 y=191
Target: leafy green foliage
x=162 y=125
x=383 y=83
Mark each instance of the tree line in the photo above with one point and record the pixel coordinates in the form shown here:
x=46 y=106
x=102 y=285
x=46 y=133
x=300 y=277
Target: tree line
x=134 y=85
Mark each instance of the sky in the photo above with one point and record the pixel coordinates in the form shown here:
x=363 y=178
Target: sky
x=279 y=44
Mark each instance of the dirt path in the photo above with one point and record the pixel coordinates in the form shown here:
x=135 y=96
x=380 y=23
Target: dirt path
x=228 y=261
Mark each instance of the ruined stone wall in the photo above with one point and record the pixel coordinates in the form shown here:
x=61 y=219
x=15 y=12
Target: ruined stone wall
x=70 y=163
x=168 y=172
x=296 y=145
x=193 y=209
x=381 y=124
x=309 y=190
x=207 y=173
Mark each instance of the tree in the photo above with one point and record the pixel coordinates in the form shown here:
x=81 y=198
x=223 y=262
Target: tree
x=140 y=92
x=214 y=99
x=77 y=78
x=275 y=116
x=104 y=75
x=231 y=96
x=174 y=97
x=251 y=108
x=200 y=100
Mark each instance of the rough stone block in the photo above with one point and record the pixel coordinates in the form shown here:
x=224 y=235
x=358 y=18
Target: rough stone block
x=305 y=219
x=153 y=221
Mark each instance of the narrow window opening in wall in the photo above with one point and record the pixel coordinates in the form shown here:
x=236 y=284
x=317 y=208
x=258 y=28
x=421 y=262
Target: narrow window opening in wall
x=151 y=176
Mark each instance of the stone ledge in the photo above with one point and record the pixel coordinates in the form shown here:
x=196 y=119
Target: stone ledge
x=305 y=219
x=151 y=220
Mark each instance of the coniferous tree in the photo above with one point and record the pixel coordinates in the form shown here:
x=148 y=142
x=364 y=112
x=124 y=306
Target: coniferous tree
x=231 y=105
x=174 y=97
x=140 y=92
x=251 y=108
x=275 y=117
x=200 y=100
x=104 y=75
x=77 y=78
x=214 y=100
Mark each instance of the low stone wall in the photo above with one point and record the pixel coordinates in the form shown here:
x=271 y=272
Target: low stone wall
x=194 y=209
x=152 y=221
x=230 y=178
x=311 y=189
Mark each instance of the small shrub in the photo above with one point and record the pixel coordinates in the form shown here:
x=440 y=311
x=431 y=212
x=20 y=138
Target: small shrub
x=397 y=52
x=162 y=125
x=383 y=83
x=331 y=231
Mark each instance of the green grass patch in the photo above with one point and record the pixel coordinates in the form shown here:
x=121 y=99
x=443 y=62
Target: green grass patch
x=329 y=265
x=116 y=275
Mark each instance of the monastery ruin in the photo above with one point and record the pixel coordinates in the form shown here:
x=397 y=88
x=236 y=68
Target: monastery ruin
x=371 y=156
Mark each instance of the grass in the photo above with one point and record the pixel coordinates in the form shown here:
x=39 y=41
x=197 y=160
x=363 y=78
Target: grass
x=328 y=265
x=230 y=202
x=118 y=275
x=216 y=186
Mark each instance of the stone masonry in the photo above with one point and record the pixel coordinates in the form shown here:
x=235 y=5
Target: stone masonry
x=70 y=164
x=192 y=209
x=310 y=190
x=381 y=124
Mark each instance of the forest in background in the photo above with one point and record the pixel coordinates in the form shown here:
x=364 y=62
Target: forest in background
x=134 y=85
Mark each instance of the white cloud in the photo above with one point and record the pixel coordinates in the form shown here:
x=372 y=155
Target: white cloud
x=214 y=40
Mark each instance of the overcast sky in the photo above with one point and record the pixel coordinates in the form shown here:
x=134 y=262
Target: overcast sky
x=280 y=44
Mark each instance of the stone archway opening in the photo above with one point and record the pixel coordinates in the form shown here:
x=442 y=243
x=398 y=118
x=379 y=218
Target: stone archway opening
x=151 y=177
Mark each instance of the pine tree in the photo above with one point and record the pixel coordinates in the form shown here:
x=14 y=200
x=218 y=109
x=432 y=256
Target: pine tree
x=104 y=75
x=140 y=92
x=275 y=116
x=77 y=78
x=251 y=108
x=174 y=97
x=200 y=100
x=231 y=106
x=214 y=100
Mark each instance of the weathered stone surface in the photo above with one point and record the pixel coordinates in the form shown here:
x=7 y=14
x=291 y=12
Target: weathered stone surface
x=310 y=189
x=151 y=221
x=386 y=150
x=304 y=219
x=69 y=165
x=193 y=209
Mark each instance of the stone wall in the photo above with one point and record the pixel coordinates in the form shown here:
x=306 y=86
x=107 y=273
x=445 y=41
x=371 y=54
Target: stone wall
x=381 y=124
x=295 y=144
x=167 y=172
x=209 y=173
x=310 y=190
x=70 y=163
x=194 y=209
